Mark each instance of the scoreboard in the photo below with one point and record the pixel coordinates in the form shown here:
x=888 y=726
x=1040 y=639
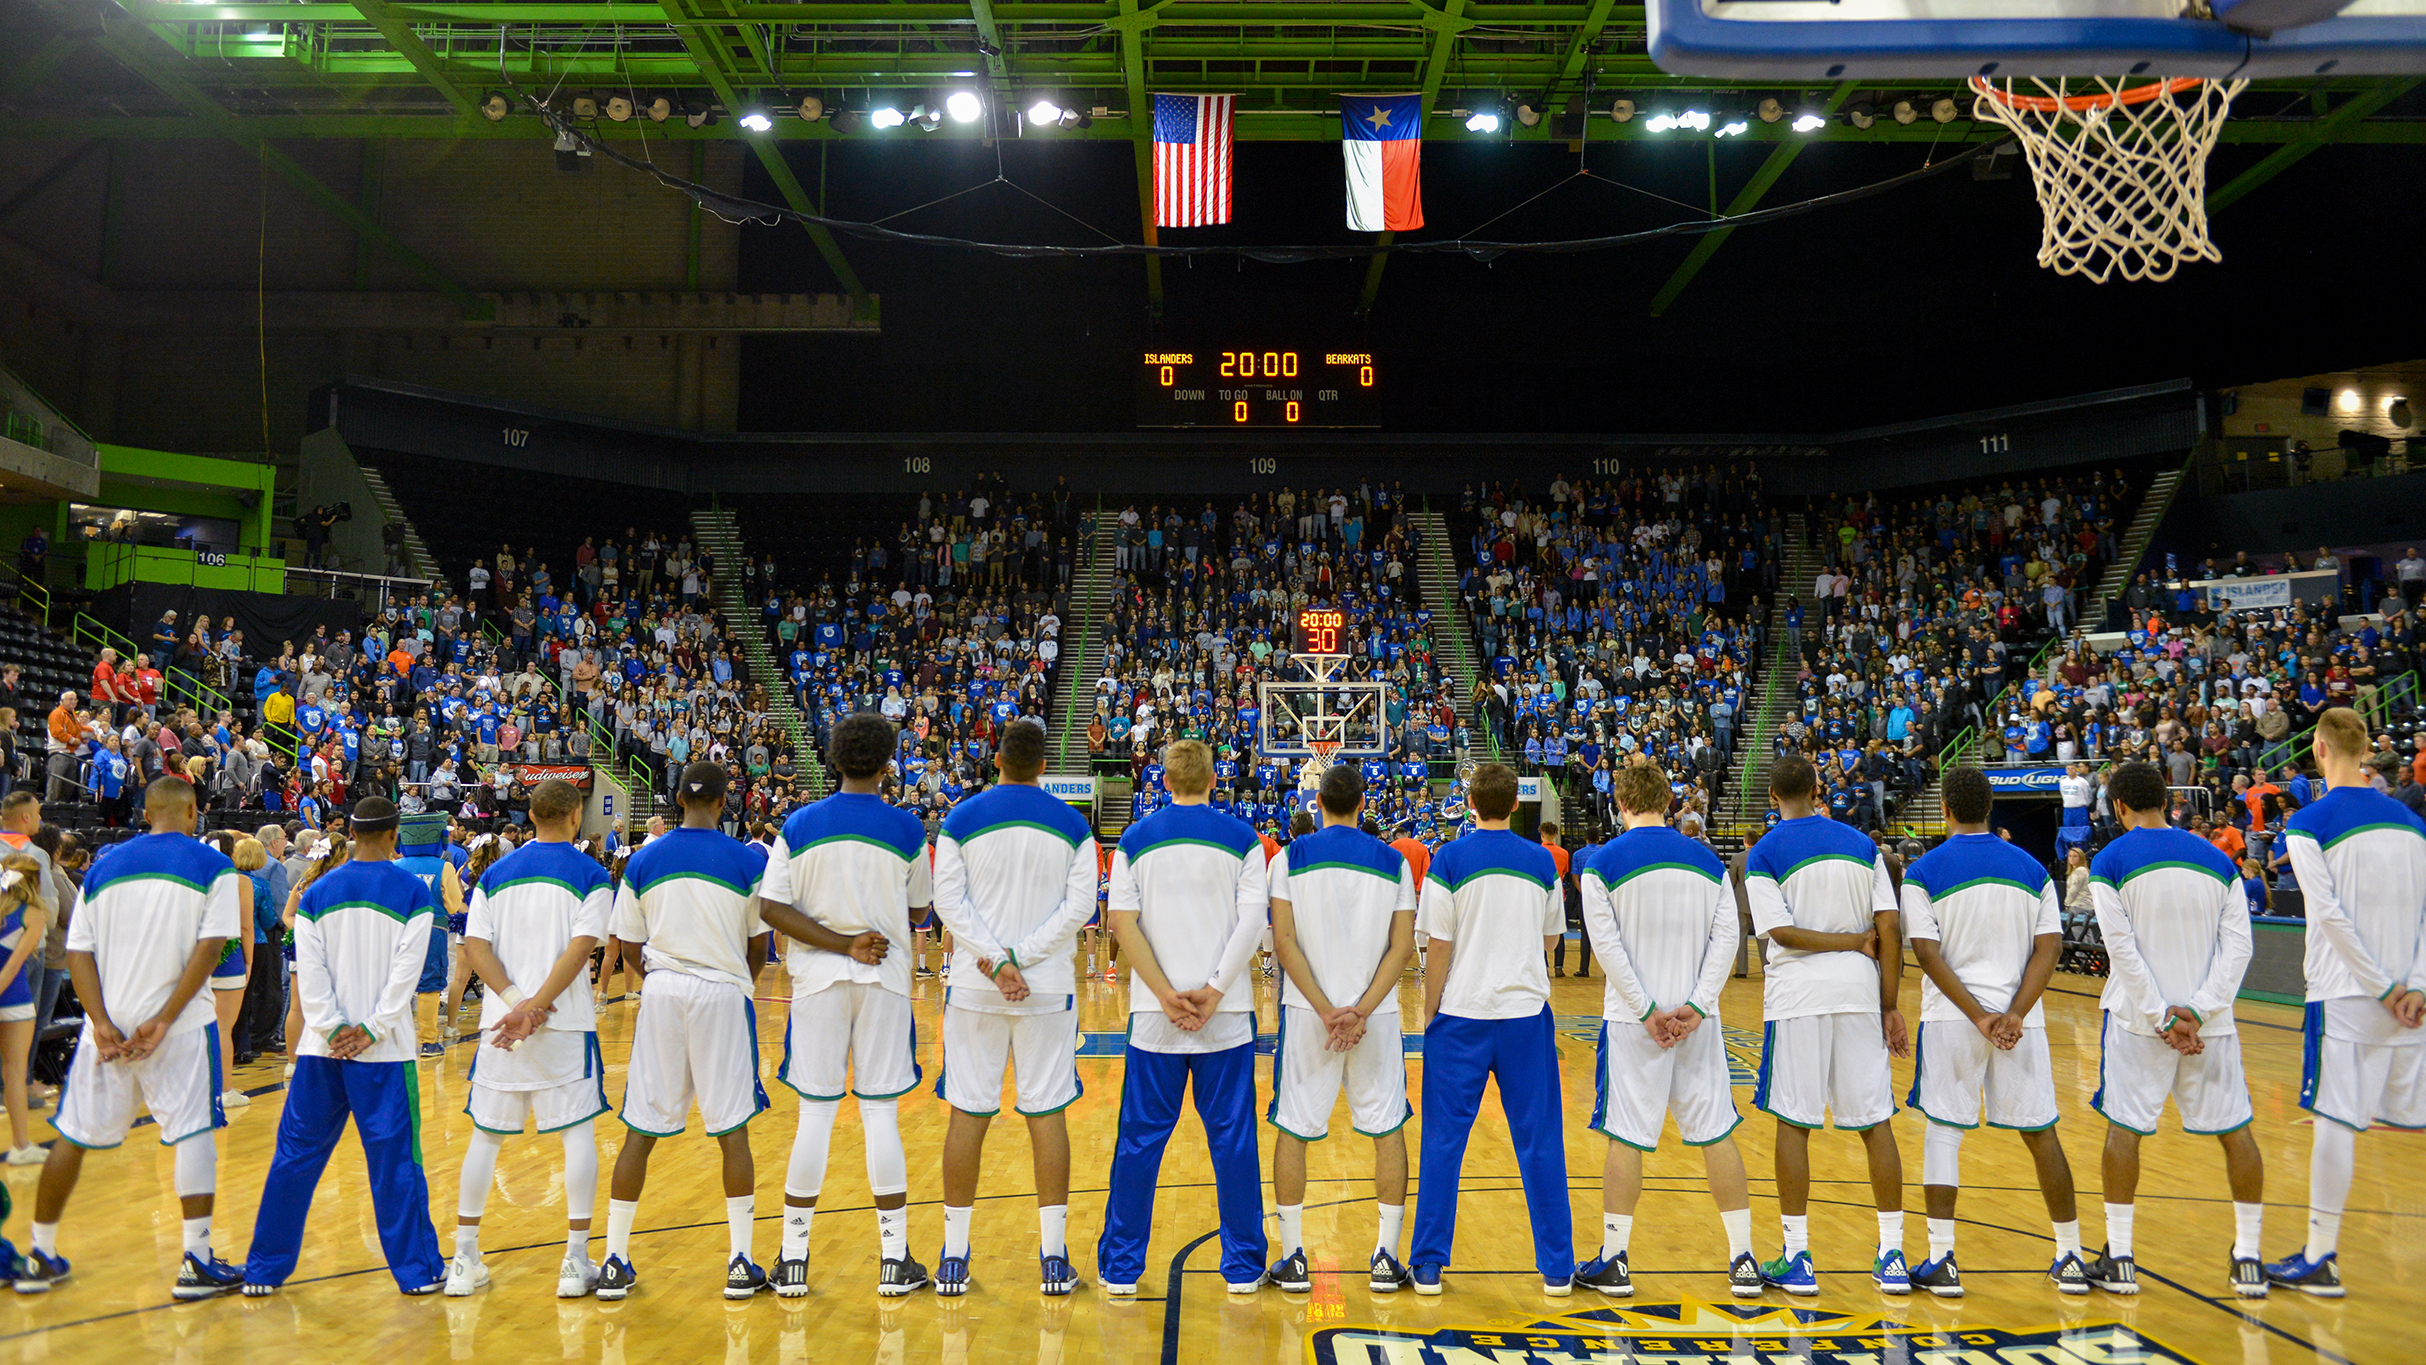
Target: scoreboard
x=1275 y=385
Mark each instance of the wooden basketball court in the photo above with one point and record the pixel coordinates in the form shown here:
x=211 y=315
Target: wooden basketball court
x=122 y=1235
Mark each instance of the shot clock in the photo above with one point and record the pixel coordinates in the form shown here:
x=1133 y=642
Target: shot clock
x=1319 y=630
x=1262 y=386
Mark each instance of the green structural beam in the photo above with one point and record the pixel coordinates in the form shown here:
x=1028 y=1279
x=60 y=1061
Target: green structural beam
x=145 y=55
x=1446 y=25
x=712 y=62
x=1746 y=200
x=1132 y=26
x=400 y=36
x=39 y=63
x=2314 y=134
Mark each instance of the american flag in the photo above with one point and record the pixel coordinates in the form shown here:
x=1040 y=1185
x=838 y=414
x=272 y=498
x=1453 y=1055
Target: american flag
x=1191 y=160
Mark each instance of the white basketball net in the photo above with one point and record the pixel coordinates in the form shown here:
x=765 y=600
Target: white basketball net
x=2121 y=169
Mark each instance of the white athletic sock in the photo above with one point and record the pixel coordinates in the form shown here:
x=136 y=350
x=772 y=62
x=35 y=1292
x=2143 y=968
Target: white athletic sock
x=1052 y=1229
x=740 y=1217
x=1615 y=1230
x=1393 y=1217
x=198 y=1236
x=577 y=1242
x=581 y=1174
x=1738 y=1223
x=2068 y=1238
x=2248 y=1226
x=1890 y=1232
x=1292 y=1228
x=1941 y=1237
x=893 y=1233
x=46 y=1238
x=479 y=1172
x=467 y=1240
x=1794 y=1229
x=2118 y=1229
x=956 y=1230
x=620 y=1215
x=2331 y=1162
x=796 y=1220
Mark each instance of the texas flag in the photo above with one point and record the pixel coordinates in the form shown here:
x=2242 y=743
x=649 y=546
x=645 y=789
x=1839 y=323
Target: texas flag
x=1382 y=137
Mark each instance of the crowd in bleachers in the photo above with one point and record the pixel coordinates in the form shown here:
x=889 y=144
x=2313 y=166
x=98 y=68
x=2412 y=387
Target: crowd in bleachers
x=1618 y=616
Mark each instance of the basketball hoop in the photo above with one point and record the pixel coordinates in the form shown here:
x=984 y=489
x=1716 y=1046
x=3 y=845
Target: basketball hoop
x=2121 y=170
x=1323 y=750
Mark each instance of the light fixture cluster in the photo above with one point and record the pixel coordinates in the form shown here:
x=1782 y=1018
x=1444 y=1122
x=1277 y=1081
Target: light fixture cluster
x=1044 y=113
x=1719 y=115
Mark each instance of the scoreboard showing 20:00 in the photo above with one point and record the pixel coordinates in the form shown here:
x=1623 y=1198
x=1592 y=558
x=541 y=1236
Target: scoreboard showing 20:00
x=1272 y=386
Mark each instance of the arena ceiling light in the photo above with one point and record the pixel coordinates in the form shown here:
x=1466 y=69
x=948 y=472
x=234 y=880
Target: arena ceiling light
x=963 y=106
x=1528 y=115
x=618 y=109
x=1735 y=128
x=1044 y=113
x=1483 y=121
x=756 y=120
x=585 y=106
x=1943 y=109
x=2396 y=411
x=1904 y=111
x=1769 y=109
x=658 y=109
x=1809 y=123
x=1861 y=113
x=885 y=116
x=494 y=107
x=698 y=113
x=1692 y=120
x=1622 y=110
x=811 y=108
x=926 y=117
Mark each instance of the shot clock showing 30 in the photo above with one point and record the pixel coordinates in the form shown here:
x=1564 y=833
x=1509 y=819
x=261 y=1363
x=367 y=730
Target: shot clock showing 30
x=1257 y=386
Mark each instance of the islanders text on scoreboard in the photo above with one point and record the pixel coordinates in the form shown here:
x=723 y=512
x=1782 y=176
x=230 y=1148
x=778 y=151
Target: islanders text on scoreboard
x=1269 y=386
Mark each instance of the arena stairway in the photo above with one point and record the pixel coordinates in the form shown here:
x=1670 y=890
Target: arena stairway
x=2134 y=545
x=418 y=561
x=1083 y=642
x=718 y=535
x=1755 y=735
x=1452 y=633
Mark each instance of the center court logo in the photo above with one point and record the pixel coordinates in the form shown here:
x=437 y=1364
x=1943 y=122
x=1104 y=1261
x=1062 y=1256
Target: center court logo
x=1699 y=1333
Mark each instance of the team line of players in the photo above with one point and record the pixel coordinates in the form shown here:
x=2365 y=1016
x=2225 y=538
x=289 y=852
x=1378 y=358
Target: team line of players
x=1013 y=878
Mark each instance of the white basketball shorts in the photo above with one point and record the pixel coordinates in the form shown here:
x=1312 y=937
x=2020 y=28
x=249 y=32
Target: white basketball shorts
x=853 y=1032
x=694 y=1038
x=2136 y=1073
x=2360 y=1084
x=1820 y=1066
x=1954 y=1065
x=1307 y=1077
x=1040 y=1049
x=179 y=1083
x=1639 y=1083
x=555 y=1078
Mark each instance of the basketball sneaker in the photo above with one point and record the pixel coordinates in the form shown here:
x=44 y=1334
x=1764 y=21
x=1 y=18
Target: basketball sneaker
x=2321 y=1277
x=1291 y=1276
x=616 y=1278
x=576 y=1277
x=1890 y=1274
x=791 y=1276
x=1387 y=1276
x=900 y=1275
x=1058 y=1276
x=464 y=1274
x=1744 y=1277
x=1940 y=1276
x=1427 y=1280
x=743 y=1278
x=1792 y=1274
x=2069 y=1274
x=423 y=1291
x=1558 y=1289
x=1246 y=1287
x=952 y=1277
x=37 y=1272
x=201 y=1279
x=2115 y=1274
x=1612 y=1276
x=2248 y=1275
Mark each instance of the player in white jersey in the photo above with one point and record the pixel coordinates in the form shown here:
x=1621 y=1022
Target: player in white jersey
x=154 y=915
x=536 y=915
x=1659 y=910
x=1188 y=902
x=854 y=872
x=1015 y=876
x=1820 y=894
x=1343 y=923
x=2176 y=925
x=689 y=909
x=1984 y=921
x=2361 y=861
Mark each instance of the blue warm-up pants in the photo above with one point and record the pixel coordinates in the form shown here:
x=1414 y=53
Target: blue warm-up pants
x=384 y=1100
x=1459 y=1055
x=1150 y=1097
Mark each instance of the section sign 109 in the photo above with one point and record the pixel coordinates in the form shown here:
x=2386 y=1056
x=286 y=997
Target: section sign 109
x=1266 y=386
